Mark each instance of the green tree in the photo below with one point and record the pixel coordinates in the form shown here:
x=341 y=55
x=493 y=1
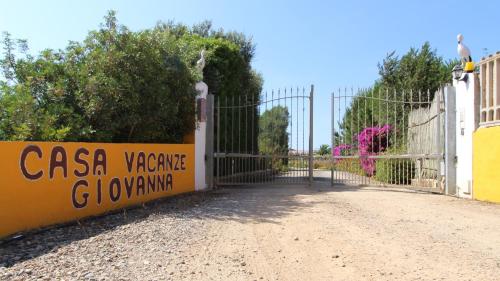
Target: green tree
x=121 y=86
x=324 y=149
x=229 y=76
x=273 y=135
x=420 y=72
x=408 y=79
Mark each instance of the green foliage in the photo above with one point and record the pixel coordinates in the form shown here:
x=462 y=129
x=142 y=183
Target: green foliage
x=419 y=70
x=324 y=149
x=273 y=137
x=350 y=165
x=229 y=76
x=394 y=171
x=118 y=85
x=414 y=77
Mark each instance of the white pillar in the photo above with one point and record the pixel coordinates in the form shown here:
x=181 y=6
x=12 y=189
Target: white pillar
x=465 y=125
x=200 y=137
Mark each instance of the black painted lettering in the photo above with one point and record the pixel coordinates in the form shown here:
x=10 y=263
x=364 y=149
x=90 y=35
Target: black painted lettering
x=151 y=183
x=169 y=162
x=29 y=149
x=151 y=168
x=183 y=162
x=58 y=159
x=85 y=195
x=170 y=184
x=99 y=160
x=81 y=161
x=99 y=191
x=130 y=161
x=161 y=162
x=129 y=186
x=161 y=182
x=115 y=196
x=141 y=162
x=177 y=162
x=140 y=185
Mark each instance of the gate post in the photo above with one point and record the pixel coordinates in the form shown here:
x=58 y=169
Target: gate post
x=311 y=131
x=209 y=149
x=450 y=141
x=332 y=172
x=437 y=98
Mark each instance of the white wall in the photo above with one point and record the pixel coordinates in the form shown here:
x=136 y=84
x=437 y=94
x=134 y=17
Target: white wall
x=465 y=128
x=200 y=139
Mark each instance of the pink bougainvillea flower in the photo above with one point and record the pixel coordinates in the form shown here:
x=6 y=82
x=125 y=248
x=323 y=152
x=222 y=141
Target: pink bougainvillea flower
x=338 y=150
x=371 y=141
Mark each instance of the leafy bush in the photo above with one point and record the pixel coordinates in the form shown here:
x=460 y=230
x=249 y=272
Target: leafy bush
x=119 y=85
x=394 y=171
x=403 y=80
x=372 y=141
x=351 y=165
x=229 y=76
x=342 y=150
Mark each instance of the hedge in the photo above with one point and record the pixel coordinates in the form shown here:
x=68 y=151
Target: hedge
x=119 y=85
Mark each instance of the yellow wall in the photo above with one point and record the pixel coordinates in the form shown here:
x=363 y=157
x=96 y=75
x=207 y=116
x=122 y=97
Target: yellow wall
x=43 y=183
x=486 y=164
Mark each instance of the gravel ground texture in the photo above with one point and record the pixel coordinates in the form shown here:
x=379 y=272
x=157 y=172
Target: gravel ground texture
x=272 y=233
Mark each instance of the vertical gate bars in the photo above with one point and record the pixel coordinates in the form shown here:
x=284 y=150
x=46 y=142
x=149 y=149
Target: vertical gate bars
x=407 y=152
x=311 y=130
x=269 y=155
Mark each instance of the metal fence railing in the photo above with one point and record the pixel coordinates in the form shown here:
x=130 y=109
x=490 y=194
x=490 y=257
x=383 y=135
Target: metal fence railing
x=387 y=137
x=264 y=139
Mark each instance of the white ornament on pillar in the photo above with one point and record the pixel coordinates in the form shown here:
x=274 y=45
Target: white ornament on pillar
x=465 y=124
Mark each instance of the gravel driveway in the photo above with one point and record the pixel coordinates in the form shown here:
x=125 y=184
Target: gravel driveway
x=272 y=233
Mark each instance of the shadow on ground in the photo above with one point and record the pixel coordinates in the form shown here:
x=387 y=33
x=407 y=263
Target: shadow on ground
x=244 y=204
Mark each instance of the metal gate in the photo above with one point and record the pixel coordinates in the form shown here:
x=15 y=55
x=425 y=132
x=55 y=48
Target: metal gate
x=264 y=139
x=384 y=137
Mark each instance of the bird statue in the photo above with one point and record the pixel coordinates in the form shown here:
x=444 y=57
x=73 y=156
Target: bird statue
x=464 y=53
x=200 y=64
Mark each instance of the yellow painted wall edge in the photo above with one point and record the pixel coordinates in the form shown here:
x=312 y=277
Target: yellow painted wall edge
x=486 y=164
x=46 y=183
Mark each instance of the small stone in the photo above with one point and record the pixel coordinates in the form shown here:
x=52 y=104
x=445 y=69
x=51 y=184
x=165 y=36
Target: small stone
x=335 y=256
x=243 y=263
x=296 y=239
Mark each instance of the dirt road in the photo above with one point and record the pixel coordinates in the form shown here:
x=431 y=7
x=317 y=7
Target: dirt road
x=273 y=233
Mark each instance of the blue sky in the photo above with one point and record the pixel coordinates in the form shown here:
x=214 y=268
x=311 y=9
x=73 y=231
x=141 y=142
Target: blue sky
x=329 y=44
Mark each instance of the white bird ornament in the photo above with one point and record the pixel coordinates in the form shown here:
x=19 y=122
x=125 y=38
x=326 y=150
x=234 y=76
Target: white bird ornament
x=463 y=51
x=200 y=64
